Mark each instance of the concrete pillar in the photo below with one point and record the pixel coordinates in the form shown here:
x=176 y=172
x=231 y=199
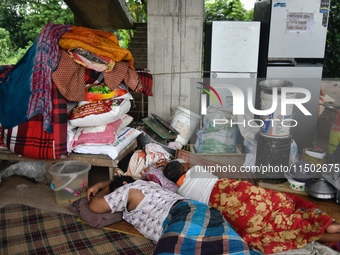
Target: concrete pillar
x=175 y=38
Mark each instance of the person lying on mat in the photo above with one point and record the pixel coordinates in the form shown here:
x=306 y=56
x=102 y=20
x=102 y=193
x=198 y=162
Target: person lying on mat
x=176 y=224
x=267 y=220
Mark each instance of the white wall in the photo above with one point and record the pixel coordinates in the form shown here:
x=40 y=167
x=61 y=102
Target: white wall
x=175 y=39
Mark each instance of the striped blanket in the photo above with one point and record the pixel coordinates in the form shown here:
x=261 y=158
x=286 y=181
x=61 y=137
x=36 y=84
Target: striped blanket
x=194 y=228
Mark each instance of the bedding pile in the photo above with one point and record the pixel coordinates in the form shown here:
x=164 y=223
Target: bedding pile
x=70 y=89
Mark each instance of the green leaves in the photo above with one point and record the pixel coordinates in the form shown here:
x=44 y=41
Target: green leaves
x=5 y=45
x=23 y=20
x=226 y=10
x=332 y=53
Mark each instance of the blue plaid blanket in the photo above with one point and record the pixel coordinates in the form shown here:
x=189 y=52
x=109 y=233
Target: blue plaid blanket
x=194 y=228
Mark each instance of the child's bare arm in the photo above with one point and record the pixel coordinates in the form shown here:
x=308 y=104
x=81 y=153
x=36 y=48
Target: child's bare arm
x=100 y=188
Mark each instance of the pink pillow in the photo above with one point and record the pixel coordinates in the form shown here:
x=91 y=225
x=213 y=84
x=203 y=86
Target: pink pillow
x=80 y=207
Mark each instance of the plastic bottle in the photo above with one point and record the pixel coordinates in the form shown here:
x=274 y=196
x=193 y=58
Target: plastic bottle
x=334 y=135
x=325 y=122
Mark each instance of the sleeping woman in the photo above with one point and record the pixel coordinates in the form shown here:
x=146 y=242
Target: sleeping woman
x=267 y=220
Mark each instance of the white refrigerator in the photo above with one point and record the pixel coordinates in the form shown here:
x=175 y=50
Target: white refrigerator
x=231 y=57
x=292 y=46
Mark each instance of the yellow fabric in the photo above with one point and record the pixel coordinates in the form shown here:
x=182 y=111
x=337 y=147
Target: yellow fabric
x=96 y=41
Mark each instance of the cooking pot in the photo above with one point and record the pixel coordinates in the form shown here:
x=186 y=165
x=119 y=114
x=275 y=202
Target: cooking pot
x=320 y=188
x=268 y=85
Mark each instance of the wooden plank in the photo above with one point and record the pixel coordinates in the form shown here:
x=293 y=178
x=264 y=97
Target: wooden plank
x=222 y=165
x=234 y=159
x=93 y=159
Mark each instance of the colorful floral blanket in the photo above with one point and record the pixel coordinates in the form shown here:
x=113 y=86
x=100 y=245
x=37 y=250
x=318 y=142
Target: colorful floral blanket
x=268 y=220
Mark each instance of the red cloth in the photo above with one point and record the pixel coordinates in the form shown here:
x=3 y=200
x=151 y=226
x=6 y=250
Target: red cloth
x=146 y=81
x=29 y=139
x=267 y=220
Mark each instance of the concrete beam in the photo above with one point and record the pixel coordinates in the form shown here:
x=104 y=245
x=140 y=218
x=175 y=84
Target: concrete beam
x=101 y=14
x=175 y=39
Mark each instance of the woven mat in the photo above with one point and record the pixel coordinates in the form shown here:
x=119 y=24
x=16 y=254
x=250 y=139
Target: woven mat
x=120 y=226
x=28 y=230
x=124 y=227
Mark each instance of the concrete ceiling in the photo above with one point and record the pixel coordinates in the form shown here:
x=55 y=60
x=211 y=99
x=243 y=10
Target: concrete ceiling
x=101 y=14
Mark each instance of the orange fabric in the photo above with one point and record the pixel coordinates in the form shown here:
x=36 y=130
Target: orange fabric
x=267 y=220
x=180 y=180
x=96 y=41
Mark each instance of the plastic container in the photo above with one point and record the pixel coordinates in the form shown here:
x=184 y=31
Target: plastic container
x=273 y=122
x=314 y=156
x=70 y=180
x=334 y=135
x=185 y=122
x=272 y=154
x=325 y=121
x=295 y=184
x=273 y=83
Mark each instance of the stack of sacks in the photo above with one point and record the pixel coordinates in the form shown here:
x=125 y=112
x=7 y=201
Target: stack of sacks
x=98 y=123
x=99 y=126
x=101 y=108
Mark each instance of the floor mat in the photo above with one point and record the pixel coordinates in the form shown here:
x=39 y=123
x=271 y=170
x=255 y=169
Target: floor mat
x=28 y=230
x=120 y=226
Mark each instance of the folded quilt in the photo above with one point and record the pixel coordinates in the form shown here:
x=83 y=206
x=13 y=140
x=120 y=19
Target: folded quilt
x=30 y=140
x=96 y=41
